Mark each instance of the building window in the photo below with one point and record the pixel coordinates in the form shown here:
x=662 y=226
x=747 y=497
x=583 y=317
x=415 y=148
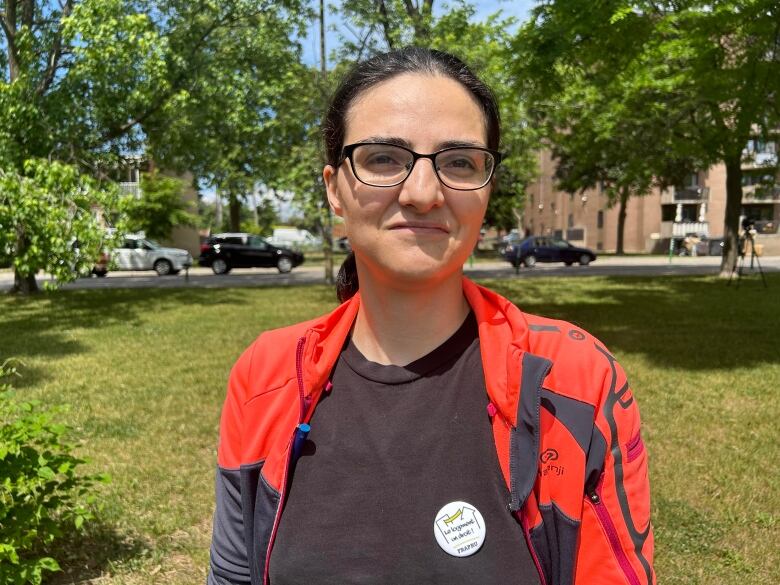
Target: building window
x=690 y=213
x=668 y=212
x=692 y=180
x=570 y=221
x=600 y=219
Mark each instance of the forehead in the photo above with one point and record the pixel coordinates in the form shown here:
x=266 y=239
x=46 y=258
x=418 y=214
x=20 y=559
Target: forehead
x=423 y=109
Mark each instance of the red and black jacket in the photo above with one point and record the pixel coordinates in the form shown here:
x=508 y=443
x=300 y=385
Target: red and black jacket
x=559 y=403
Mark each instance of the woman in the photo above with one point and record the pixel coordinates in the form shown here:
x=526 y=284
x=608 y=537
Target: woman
x=426 y=431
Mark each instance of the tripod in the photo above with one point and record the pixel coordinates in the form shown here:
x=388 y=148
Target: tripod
x=745 y=242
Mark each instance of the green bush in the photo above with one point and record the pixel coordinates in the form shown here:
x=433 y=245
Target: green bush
x=41 y=493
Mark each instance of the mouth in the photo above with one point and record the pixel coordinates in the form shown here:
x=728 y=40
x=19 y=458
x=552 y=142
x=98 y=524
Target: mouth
x=420 y=227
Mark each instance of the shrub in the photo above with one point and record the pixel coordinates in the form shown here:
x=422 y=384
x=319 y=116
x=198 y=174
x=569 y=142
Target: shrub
x=41 y=493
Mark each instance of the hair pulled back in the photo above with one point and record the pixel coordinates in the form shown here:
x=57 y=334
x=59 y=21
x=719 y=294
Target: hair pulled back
x=383 y=67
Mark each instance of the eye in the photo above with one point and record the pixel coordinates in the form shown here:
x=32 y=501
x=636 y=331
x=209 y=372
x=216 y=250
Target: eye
x=460 y=163
x=381 y=158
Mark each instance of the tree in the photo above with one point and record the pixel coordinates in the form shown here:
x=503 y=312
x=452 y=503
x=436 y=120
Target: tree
x=51 y=207
x=709 y=72
x=600 y=136
x=159 y=208
x=87 y=82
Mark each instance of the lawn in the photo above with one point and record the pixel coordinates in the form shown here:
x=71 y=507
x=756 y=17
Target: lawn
x=144 y=372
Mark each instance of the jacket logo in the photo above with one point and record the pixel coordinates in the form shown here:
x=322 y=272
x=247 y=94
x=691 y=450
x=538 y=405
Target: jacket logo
x=547 y=467
x=576 y=335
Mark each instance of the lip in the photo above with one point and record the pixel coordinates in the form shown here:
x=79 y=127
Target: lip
x=421 y=227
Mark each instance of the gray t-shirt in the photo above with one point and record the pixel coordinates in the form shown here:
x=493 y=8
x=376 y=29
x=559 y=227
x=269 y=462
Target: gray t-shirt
x=389 y=447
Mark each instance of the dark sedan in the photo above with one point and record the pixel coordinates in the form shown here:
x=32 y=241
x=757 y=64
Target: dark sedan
x=223 y=252
x=546 y=249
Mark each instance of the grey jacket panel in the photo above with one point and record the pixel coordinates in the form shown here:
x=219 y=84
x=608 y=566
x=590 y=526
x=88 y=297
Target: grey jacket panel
x=228 y=563
x=246 y=507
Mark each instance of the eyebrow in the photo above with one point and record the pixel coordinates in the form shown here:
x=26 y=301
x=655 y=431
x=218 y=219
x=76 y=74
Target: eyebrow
x=406 y=144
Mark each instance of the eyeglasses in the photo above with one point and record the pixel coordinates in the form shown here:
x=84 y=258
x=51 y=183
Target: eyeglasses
x=379 y=164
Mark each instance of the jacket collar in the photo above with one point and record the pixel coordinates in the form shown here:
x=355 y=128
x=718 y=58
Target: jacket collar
x=503 y=338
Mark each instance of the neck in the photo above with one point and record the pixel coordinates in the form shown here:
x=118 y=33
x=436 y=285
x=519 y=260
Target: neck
x=397 y=325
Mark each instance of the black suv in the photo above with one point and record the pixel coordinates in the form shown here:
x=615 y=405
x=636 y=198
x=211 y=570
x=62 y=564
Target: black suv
x=223 y=252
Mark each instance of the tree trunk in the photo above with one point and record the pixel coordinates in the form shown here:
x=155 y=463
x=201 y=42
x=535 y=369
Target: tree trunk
x=621 y=226
x=235 y=213
x=733 y=211
x=23 y=284
x=218 y=213
x=327 y=231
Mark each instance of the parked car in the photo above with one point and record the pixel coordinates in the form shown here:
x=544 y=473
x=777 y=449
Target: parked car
x=294 y=238
x=546 y=249
x=140 y=253
x=223 y=252
x=342 y=245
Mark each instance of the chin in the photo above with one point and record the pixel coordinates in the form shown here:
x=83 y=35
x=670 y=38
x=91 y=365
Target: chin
x=417 y=268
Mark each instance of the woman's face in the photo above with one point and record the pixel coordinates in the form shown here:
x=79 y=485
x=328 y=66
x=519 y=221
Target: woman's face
x=419 y=231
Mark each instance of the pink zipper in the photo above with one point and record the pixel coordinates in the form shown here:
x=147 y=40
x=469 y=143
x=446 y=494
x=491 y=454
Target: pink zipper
x=612 y=535
x=283 y=490
x=527 y=534
x=634 y=448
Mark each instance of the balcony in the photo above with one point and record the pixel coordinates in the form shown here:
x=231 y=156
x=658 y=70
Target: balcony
x=685 y=195
x=758 y=160
x=672 y=229
x=760 y=194
x=133 y=189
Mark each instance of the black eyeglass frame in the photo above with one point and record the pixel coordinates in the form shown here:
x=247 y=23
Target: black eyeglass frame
x=346 y=153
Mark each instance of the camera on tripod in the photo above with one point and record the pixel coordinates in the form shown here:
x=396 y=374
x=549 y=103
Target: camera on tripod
x=747 y=244
x=747 y=237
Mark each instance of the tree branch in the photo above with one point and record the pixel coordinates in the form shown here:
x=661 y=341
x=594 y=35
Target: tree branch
x=385 y=21
x=28 y=10
x=177 y=84
x=9 y=27
x=4 y=25
x=54 y=55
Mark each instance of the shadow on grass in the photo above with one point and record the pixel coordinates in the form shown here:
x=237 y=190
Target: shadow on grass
x=93 y=552
x=41 y=325
x=691 y=323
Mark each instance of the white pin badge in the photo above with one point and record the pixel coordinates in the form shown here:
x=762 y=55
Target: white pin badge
x=459 y=529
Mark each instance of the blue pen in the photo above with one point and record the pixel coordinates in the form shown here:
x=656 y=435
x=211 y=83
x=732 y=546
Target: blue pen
x=301 y=432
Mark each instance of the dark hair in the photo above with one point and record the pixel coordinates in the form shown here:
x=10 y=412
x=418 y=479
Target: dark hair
x=381 y=68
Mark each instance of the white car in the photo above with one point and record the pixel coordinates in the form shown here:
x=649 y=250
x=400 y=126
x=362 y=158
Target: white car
x=140 y=253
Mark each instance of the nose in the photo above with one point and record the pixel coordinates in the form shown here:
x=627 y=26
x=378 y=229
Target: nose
x=422 y=188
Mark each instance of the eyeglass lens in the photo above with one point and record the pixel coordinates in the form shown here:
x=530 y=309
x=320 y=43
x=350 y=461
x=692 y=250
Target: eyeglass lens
x=383 y=165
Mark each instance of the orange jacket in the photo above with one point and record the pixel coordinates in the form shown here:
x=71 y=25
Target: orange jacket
x=565 y=424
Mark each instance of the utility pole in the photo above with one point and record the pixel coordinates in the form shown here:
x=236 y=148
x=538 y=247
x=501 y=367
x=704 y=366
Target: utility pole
x=327 y=232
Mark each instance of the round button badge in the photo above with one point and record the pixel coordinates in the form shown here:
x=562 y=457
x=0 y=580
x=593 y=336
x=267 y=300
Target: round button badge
x=459 y=529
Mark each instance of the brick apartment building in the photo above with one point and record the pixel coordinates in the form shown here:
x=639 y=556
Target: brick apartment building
x=698 y=207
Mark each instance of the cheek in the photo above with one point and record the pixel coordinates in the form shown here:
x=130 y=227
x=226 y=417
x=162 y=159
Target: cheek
x=471 y=212
x=362 y=204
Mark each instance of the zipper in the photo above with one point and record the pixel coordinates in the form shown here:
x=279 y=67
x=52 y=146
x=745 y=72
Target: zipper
x=594 y=497
x=283 y=491
x=634 y=448
x=527 y=534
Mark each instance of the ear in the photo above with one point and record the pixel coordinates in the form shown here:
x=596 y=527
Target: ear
x=330 y=177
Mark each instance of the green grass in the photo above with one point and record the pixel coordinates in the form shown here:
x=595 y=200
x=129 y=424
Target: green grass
x=144 y=372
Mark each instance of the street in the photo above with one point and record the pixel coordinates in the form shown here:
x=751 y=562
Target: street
x=603 y=266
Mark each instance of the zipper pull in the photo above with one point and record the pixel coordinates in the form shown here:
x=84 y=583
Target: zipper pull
x=301 y=432
x=594 y=497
